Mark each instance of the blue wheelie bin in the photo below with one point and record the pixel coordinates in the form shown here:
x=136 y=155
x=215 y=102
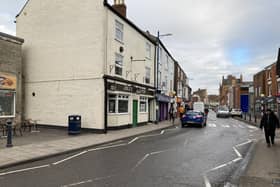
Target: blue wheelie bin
x=74 y=124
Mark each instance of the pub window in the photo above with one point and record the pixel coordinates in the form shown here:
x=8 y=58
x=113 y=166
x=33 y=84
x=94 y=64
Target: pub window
x=118 y=103
x=7 y=103
x=118 y=64
x=119 y=31
x=143 y=104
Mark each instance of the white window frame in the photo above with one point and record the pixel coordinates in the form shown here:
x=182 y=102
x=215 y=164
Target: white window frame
x=118 y=63
x=143 y=100
x=148 y=50
x=147 y=75
x=117 y=98
x=119 y=34
x=14 y=104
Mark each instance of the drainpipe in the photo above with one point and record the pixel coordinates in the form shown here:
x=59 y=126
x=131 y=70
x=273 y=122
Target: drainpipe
x=105 y=106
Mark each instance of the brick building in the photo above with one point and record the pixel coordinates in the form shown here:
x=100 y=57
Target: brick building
x=10 y=76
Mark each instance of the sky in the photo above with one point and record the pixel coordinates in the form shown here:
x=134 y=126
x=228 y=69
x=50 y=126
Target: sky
x=210 y=38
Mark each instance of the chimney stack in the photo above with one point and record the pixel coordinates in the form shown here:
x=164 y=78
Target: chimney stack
x=120 y=7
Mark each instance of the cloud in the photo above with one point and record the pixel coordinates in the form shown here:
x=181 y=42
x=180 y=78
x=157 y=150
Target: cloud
x=7 y=30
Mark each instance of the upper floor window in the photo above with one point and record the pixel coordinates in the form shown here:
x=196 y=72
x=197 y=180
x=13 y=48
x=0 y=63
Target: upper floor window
x=118 y=64
x=148 y=75
x=148 y=50
x=119 y=31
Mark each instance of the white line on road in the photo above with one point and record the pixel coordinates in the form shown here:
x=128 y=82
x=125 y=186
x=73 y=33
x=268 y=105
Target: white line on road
x=71 y=157
x=252 y=127
x=23 y=170
x=147 y=136
x=107 y=147
x=239 y=145
x=133 y=140
x=237 y=152
x=140 y=161
x=212 y=125
x=158 y=152
x=162 y=132
x=241 y=126
x=218 y=167
x=78 y=183
x=226 y=126
x=206 y=181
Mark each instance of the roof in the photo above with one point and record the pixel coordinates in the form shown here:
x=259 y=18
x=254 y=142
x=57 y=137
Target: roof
x=11 y=37
x=106 y=4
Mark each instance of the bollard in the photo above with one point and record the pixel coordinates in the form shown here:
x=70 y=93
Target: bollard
x=9 y=133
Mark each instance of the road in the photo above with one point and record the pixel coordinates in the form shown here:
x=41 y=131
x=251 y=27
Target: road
x=176 y=157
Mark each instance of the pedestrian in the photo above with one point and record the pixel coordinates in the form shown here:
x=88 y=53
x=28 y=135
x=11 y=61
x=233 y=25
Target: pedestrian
x=269 y=122
x=181 y=110
x=172 y=113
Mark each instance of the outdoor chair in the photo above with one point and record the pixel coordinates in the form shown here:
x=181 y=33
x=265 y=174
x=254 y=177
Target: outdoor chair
x=17 y=125
x=29 y=123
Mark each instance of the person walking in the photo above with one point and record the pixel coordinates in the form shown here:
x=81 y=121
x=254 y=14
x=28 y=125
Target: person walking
x=172 y=113
x=269 y=122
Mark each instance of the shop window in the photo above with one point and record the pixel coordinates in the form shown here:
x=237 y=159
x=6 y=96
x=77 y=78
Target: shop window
x=118 y=103
x=7 y=103
x=143 y=104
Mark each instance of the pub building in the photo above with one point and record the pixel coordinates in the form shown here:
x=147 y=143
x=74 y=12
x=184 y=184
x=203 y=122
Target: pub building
x=10 y=76
x=129 y=104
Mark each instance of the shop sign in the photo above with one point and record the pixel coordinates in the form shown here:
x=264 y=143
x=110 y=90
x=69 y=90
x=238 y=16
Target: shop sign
x=8 y=81
x=129 y=88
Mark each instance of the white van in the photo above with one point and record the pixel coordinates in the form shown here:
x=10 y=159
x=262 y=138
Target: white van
x=198 y=106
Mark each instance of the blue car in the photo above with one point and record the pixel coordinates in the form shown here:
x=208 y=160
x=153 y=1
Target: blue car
x=194 y=118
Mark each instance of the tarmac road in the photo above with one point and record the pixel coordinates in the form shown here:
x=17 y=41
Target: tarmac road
x=177 y=156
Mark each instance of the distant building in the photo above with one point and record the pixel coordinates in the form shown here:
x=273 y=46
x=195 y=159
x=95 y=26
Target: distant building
x=203 y=95
x=213 y=100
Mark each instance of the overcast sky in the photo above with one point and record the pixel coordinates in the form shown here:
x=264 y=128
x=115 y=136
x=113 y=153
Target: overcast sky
x=211 y=38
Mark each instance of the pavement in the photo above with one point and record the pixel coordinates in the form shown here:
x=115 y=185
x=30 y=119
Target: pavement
x=46 y=142
x=263 y=169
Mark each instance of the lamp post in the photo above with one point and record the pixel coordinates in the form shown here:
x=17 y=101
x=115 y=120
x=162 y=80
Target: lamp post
x=157 y=71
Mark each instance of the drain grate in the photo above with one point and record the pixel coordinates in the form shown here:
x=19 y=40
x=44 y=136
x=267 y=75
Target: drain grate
x=276 y=182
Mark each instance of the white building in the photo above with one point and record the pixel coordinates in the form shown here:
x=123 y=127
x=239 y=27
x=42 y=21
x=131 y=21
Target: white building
x=85 y=57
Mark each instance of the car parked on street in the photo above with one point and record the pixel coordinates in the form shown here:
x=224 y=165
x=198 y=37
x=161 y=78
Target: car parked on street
x=236 y=112
x=223 y=111
x=193 y=117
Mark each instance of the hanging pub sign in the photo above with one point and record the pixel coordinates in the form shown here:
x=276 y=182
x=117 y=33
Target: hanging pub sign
x=8 y=81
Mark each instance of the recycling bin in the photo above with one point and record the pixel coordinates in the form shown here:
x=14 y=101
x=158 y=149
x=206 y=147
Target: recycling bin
x=74 y=124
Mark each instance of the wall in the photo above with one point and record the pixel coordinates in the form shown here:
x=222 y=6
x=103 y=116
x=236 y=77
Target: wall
x=64 y=56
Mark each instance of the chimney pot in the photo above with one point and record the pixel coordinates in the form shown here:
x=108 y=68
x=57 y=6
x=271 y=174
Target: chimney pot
x=120 y=7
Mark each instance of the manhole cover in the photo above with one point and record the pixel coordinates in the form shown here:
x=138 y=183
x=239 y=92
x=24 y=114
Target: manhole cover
x=276 y=181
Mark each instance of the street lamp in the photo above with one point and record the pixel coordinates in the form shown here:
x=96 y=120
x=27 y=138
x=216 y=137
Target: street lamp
x=157 y=70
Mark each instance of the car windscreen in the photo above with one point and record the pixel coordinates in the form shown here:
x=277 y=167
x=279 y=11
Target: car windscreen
x=193 y=113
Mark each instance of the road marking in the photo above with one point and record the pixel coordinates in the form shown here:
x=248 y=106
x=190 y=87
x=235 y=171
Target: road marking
x=78 y=183
x=241 y=126
x=140 y=161
x=249 y=141
x=107 y=147
x=226 y=126
x=133 y=140
x=212 y=125
x=71 y=157
x=237 y=152
x=158 y=152
x=206 y=181
x=23 y=170
x=252 y=127
x=218 y=167
x=162 y=132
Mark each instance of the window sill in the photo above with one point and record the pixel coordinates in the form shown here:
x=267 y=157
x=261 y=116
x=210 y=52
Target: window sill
x=118 y=114
x=119 y=41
